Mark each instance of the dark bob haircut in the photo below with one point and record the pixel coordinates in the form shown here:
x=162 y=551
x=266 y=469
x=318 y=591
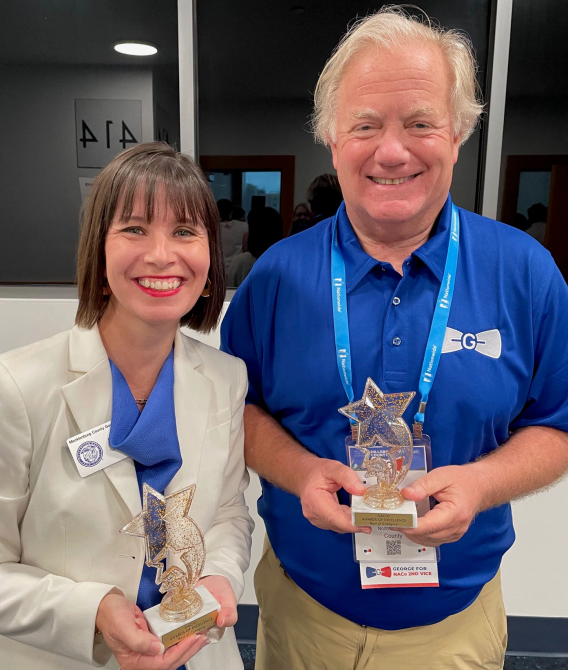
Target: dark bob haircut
x=149 y=167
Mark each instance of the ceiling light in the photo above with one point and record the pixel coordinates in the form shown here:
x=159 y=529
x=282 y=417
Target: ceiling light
x=132 y=48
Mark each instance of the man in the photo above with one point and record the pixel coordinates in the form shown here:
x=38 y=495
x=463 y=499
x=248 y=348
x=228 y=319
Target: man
x=394 y=103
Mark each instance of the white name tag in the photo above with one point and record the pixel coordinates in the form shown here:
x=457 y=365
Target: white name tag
x=393 y=574
x=92 y=452
x=384 y=544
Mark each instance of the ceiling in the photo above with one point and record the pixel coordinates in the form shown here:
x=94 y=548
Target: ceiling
x=266 y=48
x=277 y=48
x=538 y=60
x=83 y=32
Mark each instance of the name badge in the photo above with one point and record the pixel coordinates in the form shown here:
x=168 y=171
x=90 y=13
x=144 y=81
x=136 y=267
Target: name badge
x=92 y=452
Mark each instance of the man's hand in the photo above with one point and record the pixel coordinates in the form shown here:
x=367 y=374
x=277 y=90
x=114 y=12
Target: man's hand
x=459 y=492
x=318 y=495
x=220 y=588
x=125 y=631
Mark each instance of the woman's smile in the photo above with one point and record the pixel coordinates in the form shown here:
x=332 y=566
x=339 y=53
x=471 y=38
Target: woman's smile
x=159 y=287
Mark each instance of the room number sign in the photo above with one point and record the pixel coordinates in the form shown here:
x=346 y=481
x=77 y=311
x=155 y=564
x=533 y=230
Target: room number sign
x=103 y=128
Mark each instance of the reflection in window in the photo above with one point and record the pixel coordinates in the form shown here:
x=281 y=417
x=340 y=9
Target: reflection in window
x=261 y=186
x=265 y=229
x=532 y=204
x=247 y=188
x=258 y=64
x=70 y=103
x=535 y=143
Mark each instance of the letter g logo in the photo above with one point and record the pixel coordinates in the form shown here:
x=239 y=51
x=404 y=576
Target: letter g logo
x=469 y=341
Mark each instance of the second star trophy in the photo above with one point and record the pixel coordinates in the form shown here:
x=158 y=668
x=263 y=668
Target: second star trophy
x=386 y=441
x=165 y=525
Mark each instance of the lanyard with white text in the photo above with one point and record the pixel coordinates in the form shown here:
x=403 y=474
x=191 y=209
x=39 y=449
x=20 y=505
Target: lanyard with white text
x=437 y=329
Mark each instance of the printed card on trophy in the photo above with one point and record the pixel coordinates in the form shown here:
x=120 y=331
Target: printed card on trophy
x=379 y=421
x=165 y=525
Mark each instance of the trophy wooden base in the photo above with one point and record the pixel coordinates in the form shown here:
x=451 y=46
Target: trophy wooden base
x=403 y=517
x=172 y=632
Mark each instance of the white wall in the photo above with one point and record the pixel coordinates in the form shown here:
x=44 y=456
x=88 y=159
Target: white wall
x=39 y=190
x=535 y=571
x=267 y=127
x=264 y=127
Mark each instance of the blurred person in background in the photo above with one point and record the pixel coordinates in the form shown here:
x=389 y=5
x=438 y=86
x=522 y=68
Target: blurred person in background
x=538 y=213
x=265 y=229
x=233 y=231
x=239 y=213
x=324 y=197
x=302 y=218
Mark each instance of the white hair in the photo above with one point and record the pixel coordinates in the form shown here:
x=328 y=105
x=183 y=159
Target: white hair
x=390 y=28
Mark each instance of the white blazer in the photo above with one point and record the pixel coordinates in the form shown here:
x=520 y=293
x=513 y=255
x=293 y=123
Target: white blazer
x=60 y=546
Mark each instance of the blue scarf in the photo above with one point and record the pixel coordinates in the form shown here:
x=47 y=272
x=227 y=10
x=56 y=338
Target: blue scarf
x=150 y=439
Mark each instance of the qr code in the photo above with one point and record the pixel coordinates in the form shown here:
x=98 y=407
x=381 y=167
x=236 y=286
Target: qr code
x=394 y=547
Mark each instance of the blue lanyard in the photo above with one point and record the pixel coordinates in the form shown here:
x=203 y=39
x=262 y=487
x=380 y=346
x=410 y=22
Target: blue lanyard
x=437 y=328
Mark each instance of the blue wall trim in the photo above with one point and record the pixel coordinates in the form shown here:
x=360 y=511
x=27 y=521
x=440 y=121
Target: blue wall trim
x=527 y=635
x=537 y=635
x=245 y=628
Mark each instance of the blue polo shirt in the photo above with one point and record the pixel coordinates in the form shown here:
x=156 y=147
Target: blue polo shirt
x=280 y=322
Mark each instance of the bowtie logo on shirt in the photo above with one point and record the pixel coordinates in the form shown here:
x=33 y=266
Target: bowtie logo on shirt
x=487 y=343
x=380 y=572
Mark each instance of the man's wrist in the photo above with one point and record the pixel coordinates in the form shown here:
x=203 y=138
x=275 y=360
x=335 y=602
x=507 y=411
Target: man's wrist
x=304 y=467
x=486 y=481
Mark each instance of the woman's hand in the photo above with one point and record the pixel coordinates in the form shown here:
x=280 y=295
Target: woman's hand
x=126 y=633
x=220 y=588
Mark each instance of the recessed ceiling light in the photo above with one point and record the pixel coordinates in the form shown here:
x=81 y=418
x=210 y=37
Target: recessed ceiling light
x=132 y=48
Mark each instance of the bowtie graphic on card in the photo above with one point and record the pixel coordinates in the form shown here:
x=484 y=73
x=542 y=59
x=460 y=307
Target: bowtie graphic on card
x=487 y=343
x=379 y=572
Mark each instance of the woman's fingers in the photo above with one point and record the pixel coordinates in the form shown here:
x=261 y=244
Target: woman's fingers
x=171 y=659
x=181 y=652
x=139 y=641
x=227 y=617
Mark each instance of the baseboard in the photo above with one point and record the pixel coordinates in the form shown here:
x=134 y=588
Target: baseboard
x=528 y=636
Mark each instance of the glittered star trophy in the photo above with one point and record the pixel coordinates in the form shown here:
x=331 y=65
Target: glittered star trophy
x=166 y=527
x=386 y=441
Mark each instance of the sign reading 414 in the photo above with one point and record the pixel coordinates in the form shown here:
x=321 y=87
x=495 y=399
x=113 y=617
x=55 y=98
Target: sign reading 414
x=104 y=128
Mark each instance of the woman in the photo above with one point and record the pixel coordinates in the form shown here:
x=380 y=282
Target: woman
x=265 y=229
x=149 y=260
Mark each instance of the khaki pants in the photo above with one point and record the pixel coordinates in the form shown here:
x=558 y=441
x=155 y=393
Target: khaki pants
x=297 y=633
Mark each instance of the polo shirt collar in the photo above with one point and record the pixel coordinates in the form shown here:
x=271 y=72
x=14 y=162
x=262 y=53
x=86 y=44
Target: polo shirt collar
x=434 y=252
x=358 y=263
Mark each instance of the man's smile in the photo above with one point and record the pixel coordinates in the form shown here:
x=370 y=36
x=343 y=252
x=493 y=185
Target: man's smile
x=393 y=182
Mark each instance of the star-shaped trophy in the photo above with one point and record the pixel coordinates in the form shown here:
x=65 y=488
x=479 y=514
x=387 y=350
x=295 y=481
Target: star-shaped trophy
x=386 y=440
x=166 y=527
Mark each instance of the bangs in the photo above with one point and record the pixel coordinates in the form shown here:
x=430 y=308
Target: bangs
x=183 y=193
